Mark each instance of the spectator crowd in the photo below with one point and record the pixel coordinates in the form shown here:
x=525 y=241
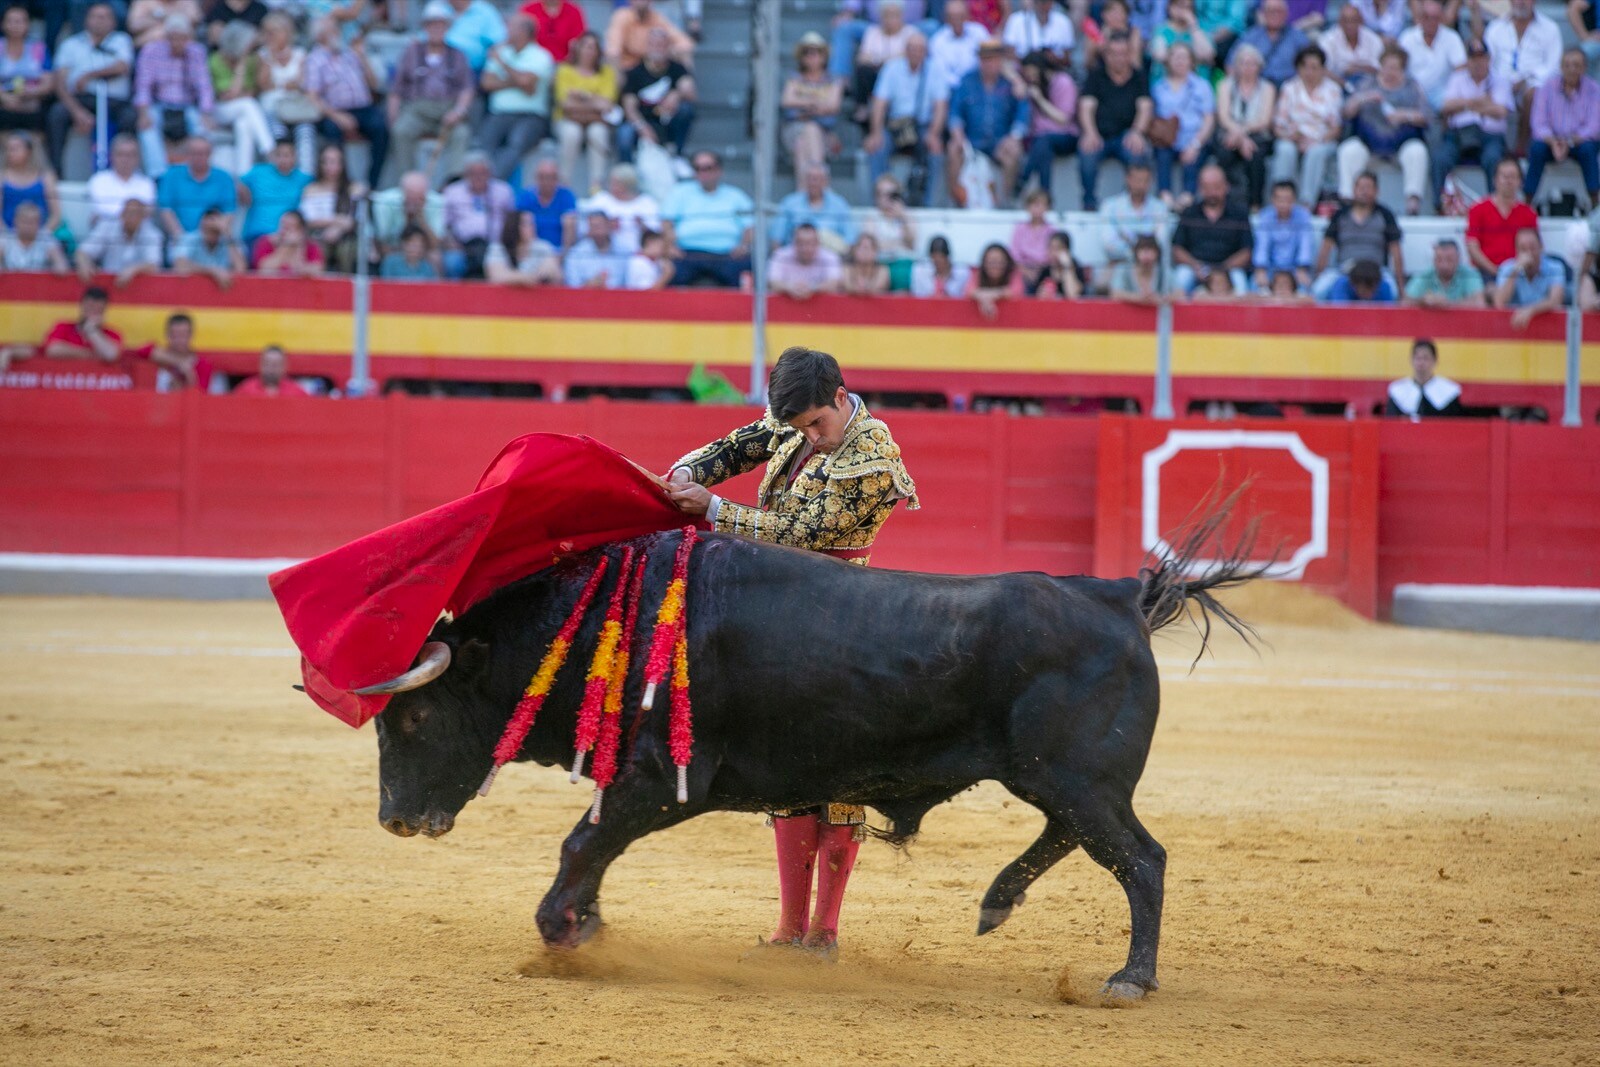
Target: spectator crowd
x=528 y=149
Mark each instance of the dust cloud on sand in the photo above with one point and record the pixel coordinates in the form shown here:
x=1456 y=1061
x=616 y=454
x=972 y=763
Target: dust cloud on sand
x=1383 y=848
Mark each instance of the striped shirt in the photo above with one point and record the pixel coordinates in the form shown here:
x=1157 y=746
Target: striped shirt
x=338 y=78
x=444 y=78
x=1563 y=116
x=169 y=80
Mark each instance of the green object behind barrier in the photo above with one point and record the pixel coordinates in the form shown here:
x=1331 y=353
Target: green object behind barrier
x=709 y=387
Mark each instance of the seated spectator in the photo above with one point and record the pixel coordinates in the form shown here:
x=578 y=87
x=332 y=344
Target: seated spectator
x=1285 y=288
x=343 y=84
x=628 y=36
x=1131 y=214
x=431 y=95
x=658 y=96
x=1213 y=237
x=180 y=366
x=329 y=207
x=953 y=48
x=1218 y=286
x=1389 y=120
x=553 y=206
x=1183 y=97
x=1285 y=240
x=906 y=117
x=1475 y=107
x=1566 y=124
x=585 y=108
x=234 y=73
x=147 y=18
x=1525 y=48
x=649 y=267
x=1532 y=283
x=521 y=257
x=210 y=250
x=109 y=189
x=557 y=24
x=1386 y=18
x=268 y=190
x=99 y=55
x=1279 y=43
x=1040 y=28
x=996 y=278
x=518 y=77
x=1352 y=49
x=126 y=247
x=1224 y=21
x=810 y=103
x=889 y=224
x=24 y=180
x=1140 y=280
x=1181 y=26
x=864 y=275
x=184 y=193
x=1030 y=239
x=250 y=12
x=476 y=207
x=413 y=262
x=1494 y=222
x=1114 y=112
x=1053 y=131
x=1363 y=229
x=1114 y=19
x=1243 y=142
x=25 y=247
x=1581 y=16
x=1436 y=51
x=24 y=71
x=596 y=262
x=631 y=212
x=883 y=41
x=1064 y=278
x=816 y=204
x=272 y=378
x=1425 y=394
x=476 y=28
x=1446 y=283
x=1308 y=122
x=1364 y=283
x=804 y=268
x=409 y=205
x=87 y=337
x=172 y=92
x=937 y=275
x=290 y=252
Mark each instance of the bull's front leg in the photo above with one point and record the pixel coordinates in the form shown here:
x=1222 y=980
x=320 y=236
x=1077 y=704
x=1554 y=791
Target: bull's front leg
x=570 y=912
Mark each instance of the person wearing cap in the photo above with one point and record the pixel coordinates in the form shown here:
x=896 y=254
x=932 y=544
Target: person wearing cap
x=431 y=94
x=1476 y=105
x=475 y=210
x=989 y=113
x=171 y=77
x=628 y=36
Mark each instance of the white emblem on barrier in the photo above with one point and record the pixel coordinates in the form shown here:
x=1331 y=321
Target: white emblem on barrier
x=1216 y=440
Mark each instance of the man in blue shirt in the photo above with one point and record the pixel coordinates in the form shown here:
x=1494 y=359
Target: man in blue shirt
x=595 y=262
x=988 y=112
x=553 y=206
x=478 y=26
x=1364 y=284
x=909 y=98
x=269 y=189
x=708 y=225
x=1276 y=40
x=185 y=193
x=1285 y=240
x=1531 y=282
x=818 y=205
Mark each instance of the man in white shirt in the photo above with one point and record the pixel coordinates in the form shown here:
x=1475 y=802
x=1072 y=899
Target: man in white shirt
x=1525 y=48
x=631 y=212
x=99 y=56
x=110 y=189
x=954 y=48
x=1039 y=26
x=1351 y=47
x=1435 y=51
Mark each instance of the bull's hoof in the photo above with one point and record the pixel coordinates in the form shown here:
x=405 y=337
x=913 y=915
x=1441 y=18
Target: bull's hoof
x=1115 y=993
x=990 y=918
x=567 y=931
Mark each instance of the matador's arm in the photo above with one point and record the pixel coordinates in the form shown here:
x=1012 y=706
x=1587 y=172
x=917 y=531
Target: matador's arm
x=818 y=522
x=743 y=450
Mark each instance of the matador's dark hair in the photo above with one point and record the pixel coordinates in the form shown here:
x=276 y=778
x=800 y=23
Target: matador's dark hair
x=802 y=379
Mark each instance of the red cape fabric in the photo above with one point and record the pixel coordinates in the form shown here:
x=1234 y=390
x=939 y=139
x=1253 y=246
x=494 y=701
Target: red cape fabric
x=360 y=614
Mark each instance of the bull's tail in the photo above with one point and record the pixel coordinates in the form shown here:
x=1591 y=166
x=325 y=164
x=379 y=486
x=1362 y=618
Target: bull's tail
x=1170 y=588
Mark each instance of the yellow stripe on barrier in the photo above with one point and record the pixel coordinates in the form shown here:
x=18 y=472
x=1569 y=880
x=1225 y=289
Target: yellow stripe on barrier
x=1267 y=356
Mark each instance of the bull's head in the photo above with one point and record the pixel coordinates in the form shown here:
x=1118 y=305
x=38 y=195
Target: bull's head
x=434 y=741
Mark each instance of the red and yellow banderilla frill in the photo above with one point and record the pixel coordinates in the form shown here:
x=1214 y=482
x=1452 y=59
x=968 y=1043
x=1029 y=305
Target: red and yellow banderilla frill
x=597 y=685
x=606 y=745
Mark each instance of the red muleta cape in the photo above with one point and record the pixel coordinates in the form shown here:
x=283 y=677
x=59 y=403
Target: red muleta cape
x=360 y=614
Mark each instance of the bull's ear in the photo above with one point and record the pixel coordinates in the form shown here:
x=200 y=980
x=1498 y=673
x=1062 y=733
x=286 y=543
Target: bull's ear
x=471 y=660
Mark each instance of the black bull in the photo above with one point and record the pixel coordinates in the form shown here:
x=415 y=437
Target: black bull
x=815 y=681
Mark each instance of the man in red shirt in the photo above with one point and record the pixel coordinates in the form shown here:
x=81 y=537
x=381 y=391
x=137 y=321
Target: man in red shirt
x=274 y=378
x=558 y=22
x=182 y=366
x=89 y=337
x=1494 y=222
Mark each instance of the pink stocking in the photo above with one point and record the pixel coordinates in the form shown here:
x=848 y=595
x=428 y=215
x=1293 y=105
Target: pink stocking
x=797 y=855
x=836 y=852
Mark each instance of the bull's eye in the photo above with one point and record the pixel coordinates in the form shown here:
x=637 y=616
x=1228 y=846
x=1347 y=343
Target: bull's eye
x=415 y=718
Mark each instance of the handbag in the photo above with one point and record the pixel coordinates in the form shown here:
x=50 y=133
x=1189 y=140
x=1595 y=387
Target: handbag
x=903 y=134
x=294 y=108
x=174 y=124
x=1162 y=133
x=1469 y=138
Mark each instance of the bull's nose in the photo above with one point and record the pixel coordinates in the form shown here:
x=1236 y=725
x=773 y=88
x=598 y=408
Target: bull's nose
x=397 y=826
x=439 y=824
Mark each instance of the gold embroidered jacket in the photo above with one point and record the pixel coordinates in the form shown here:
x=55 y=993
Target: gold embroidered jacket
x=837 y=502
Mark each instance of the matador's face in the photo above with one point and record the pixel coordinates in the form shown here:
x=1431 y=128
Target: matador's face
x=825 y=424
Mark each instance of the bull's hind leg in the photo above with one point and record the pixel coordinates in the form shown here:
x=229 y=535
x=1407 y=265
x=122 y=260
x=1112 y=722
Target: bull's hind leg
x=1010 y=886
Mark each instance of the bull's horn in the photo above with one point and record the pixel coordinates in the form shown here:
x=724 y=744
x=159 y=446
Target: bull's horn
x=432 y=661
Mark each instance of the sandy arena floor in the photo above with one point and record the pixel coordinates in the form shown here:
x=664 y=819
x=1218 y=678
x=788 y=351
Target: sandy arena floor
x=1383 y=849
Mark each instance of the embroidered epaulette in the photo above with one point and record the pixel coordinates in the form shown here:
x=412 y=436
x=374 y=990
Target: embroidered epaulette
x=870 y=450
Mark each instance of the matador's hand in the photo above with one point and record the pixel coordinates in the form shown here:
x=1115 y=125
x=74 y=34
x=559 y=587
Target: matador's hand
x=691 y=499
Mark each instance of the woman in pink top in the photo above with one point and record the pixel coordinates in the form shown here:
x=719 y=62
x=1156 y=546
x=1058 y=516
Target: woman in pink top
x=1030 y=239
x=1053 y=100
x=997 y=278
